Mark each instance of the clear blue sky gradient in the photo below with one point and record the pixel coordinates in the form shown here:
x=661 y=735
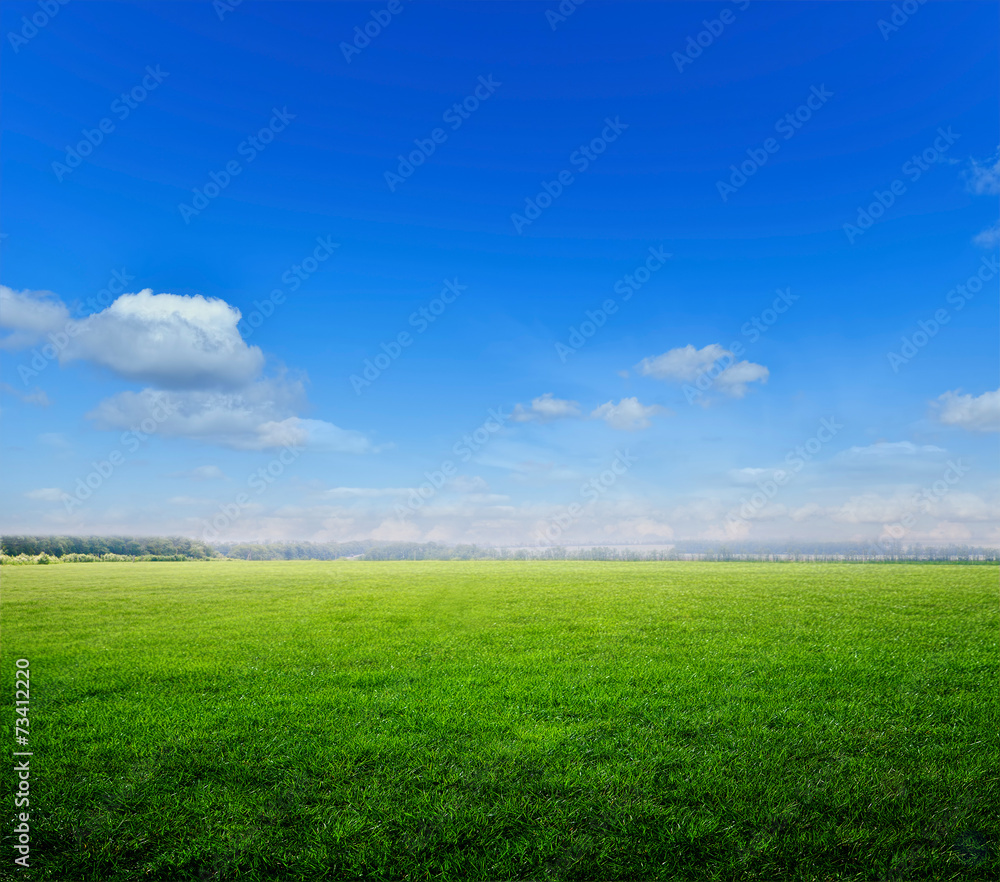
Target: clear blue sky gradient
x=887 y=96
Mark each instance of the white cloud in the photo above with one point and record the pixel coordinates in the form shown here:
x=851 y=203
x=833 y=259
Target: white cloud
x=628 y=414
x=545 y=408
x=883 y=450
x=947 y=531
x=189 y=345
x=259 y=417
x=364 y=492
x=963 y=506
x=188 y=500
x=871 y=508
x=468 y=484
x=396 y=530
x=809 y=510
x=733 y=380
x=686 y=364
x=979 y=414
x=172 y=341
x=202 y=473
x=749 y=475
x=46 y=494
x=988 y=238
x=985 y=179
x=35 y=396
x=29 y=316
x=641 y=528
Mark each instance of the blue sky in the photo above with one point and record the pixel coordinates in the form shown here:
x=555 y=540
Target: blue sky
x=541 y=233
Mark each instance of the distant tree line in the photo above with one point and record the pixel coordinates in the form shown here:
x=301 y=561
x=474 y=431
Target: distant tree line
x=175 y=547
x=27 y=549
x=829 y=551
x=290 y=550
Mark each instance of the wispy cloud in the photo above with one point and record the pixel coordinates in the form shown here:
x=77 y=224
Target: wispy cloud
x=201 y=473
x=977 y=414
x=988 y=238
x=544 y=409
x=35 y=396
x=983 y=178
x=45 y=494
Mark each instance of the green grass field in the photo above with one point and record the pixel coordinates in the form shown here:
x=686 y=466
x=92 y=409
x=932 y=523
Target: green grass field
x=511 y=720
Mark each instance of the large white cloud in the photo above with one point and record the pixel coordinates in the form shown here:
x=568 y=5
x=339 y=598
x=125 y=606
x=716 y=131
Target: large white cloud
x=172 y=341
x=978 y=414
x=628 y=414
x=685 y=364
x=189 y=346
x=29 y=316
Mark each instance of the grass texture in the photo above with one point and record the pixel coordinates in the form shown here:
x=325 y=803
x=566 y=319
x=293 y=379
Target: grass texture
x=543 y=720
